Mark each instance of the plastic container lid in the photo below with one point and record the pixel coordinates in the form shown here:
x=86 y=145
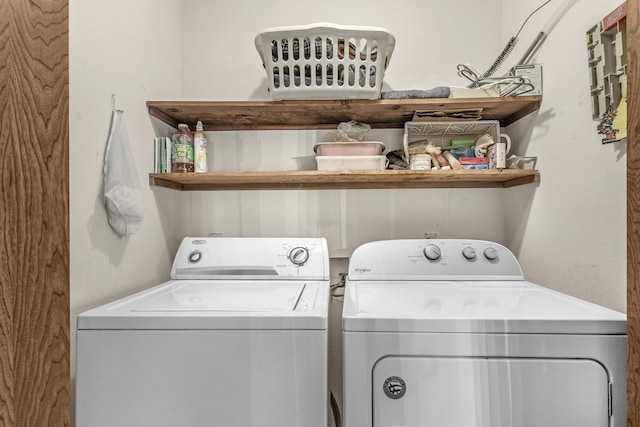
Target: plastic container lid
x=356 y=148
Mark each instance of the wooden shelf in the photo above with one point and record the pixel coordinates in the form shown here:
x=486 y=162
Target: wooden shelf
x=318 y=180
x=326 y=114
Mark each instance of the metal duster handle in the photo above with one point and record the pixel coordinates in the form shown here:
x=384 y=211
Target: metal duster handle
x=542 y=36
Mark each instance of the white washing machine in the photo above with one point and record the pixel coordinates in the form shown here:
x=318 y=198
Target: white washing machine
x=448 y=333
x=237 y=338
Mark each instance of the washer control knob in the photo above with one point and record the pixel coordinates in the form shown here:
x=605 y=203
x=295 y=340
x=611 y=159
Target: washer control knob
x=491 y=253
x=432 y=252
x=299 y=255
x=195 y=256
x=469 y=253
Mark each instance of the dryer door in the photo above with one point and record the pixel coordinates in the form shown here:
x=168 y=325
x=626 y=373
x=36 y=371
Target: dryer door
x=485 y=392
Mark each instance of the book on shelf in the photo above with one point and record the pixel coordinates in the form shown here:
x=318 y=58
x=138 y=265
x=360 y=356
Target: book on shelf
x=161 y=154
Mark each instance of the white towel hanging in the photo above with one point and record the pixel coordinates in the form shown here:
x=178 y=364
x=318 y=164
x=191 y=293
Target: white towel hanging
x=122 y=194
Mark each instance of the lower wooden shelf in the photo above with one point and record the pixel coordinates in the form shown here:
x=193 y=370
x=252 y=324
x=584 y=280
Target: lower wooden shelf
x=347 y=179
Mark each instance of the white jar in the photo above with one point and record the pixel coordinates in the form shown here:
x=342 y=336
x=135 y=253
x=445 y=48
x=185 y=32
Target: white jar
x=421 y=162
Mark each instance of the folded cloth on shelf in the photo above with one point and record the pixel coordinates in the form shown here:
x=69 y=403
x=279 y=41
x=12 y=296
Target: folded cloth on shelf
x=436 y=92
x=397 y=160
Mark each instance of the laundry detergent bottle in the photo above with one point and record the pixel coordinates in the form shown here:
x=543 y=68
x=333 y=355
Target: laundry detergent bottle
x=200 y=148
x=182 y=150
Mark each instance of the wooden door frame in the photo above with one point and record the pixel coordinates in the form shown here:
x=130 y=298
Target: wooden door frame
x=633 y=212
x=35 y=383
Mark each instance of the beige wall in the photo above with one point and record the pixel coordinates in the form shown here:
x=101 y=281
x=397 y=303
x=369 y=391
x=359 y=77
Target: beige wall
x=570 y=232
x=129 y=49
x=220 y=38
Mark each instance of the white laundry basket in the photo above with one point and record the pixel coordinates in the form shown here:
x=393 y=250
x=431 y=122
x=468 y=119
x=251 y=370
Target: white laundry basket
x=325 y=61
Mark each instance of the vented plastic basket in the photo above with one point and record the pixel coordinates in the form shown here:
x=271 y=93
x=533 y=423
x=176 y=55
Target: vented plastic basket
x=325 y=61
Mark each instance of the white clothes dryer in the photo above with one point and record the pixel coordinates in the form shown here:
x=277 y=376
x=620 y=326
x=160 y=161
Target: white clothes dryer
x=448 y=333
x=237 y=337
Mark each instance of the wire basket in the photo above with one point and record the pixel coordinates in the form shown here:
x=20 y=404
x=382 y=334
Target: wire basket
x=325 y=61
x=441 y=134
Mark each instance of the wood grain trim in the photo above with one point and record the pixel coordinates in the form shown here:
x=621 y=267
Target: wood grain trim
x=34 y=214
x=633 y=213
x=7 y=232
x=326 y=114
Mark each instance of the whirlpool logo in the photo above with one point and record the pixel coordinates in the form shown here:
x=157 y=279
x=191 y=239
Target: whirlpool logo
x=362 y=270
x=394 y=387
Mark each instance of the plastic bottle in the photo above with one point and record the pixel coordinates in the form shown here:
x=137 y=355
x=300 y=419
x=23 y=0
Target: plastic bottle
x=182 y=150
x=200 y=148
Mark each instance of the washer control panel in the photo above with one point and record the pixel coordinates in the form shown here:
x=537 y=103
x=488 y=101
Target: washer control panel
x=447 y=259
x=251 y=258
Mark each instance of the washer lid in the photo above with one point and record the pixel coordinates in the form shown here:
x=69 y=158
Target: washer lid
x=224 y=296
x=474 y=306
x=214 y=304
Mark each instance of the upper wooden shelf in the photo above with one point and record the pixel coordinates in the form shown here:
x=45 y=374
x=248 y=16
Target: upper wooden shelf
x=315 y=180
x=327 y=114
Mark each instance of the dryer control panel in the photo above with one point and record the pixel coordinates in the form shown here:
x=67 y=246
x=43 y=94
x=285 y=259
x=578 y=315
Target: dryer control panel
x=425 y=259
x=251 y=258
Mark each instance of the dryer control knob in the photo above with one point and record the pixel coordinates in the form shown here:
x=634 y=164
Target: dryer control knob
x=195 y=256
x=491 y=253
x=469 y=253
x=299 y=255
x=432 y=252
